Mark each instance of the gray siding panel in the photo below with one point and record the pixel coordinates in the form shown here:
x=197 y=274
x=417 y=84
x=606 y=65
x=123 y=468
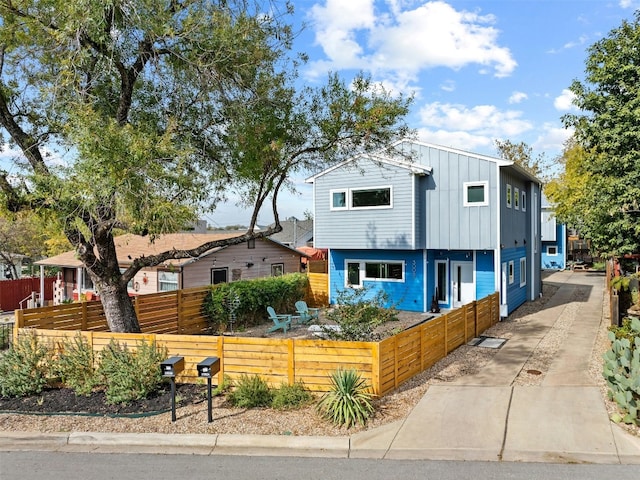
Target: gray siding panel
x=365 y=228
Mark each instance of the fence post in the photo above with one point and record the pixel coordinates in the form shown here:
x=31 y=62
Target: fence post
x=291 y=363
x=179 y=312
x=615 y=310
x=83 y=325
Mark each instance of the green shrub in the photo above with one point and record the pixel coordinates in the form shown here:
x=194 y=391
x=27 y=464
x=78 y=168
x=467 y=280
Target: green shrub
x=253 y=296
x=291 y=396
x=349 y=401
x=358 y=312
x=75 y=365
x=24 y=368
x=251 y=391
x=129 y=375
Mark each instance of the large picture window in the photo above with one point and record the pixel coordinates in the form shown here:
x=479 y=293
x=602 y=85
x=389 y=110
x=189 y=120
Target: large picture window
x=381 y=271
x=371 y=197
x=476 y=194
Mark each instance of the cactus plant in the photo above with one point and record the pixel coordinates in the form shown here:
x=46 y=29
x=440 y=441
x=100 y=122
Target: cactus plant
x=621 y=370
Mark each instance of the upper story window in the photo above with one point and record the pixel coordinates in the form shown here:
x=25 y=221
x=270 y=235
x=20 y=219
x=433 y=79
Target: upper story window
x=523 y=204
x=516 y=198
x=476 y=194
x=371 y=197
x=361 y=198
x=338 y=199
x=508 y=196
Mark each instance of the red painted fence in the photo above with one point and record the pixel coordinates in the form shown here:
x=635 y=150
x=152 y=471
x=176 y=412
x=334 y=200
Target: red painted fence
x=12 y=292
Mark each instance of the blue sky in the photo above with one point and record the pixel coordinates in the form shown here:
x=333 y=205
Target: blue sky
x=480 y=69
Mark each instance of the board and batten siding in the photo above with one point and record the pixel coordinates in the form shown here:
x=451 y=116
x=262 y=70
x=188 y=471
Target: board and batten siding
x=450 y=224
x=237 y=257
x=376 y=228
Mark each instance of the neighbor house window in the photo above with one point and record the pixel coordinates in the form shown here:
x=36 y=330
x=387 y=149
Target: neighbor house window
x=130 y=285
x=552 y=250
x=442 y=281
x=251 y=243
x=371 y=197
x=338 y=199
x=219 y=275
x=277 y=269
x=523 y=272
x=508 y=196
x=87 y=283
x=523 y=204
x=511 y=272
x=476 y=194
x=516 y=198
x=167 y=281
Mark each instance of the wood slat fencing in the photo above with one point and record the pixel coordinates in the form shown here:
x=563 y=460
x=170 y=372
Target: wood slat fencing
x=385 y=365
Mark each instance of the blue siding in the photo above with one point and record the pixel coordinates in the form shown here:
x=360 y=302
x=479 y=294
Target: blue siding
x=516 y=295
x=485 y=274
x=406 y=295
x=556 y=261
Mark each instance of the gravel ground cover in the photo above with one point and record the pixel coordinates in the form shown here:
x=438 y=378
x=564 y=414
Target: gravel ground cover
x=154 y=416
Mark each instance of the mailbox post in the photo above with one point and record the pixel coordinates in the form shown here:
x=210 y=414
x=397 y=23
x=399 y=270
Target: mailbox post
x=207 y=368
x=171 y=367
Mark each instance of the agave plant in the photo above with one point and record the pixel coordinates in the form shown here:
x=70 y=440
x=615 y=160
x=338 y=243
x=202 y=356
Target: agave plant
x=349 y=400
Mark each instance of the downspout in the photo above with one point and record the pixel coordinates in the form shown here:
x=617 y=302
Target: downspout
x=497 y=259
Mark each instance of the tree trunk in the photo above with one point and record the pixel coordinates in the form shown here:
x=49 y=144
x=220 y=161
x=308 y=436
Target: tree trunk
x=118 y=308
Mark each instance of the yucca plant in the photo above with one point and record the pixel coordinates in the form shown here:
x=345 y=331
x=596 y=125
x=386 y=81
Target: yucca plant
x=349 y=401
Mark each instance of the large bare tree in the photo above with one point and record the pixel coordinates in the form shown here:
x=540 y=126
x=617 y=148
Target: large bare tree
x=159 y=110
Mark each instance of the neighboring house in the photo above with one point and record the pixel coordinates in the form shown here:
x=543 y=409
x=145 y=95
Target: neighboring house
x=256 y=258
x=295 y=233
x=438 y=231
x=554 y=239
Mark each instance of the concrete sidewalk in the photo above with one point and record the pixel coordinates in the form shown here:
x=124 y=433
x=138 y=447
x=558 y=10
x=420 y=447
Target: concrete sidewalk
x=481 y=417
x=485 y=417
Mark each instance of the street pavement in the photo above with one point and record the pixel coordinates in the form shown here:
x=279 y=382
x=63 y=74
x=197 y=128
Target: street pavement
x=481 y=417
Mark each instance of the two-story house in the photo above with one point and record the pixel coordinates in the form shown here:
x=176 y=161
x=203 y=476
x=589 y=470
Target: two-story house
x=431 y=225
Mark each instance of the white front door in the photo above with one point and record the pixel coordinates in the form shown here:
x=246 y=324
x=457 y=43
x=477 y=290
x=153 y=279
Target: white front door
x=463 y=289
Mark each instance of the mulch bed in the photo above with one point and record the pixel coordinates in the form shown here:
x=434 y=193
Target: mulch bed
x=64 y=400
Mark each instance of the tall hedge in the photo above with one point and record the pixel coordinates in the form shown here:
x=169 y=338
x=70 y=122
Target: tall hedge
x=249 y=300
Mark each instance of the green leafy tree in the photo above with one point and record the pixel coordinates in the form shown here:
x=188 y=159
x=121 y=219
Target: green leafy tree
x=160 y=109
x=608 y=131
x=522 y=154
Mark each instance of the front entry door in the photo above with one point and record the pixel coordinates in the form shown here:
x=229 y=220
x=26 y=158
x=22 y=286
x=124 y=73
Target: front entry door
x=463 y=289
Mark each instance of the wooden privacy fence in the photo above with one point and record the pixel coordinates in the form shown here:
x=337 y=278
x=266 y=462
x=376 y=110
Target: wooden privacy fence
x=385 y=365
x=175 y=312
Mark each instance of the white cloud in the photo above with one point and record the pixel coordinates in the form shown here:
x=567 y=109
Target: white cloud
x=459 y=140
x=629 y=4
x=354 y=35
x=552 y=138
x=517 y=97
x=481 y=120
x=448 y=86
x=564 y=101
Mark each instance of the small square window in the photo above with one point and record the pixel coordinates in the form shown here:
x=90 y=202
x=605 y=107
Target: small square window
x=552 y=250
x=277 y=269
x=338 y=199
x=476 y=194
x=251 y=243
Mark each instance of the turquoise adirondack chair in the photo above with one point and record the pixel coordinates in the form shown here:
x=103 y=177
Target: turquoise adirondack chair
x=306 y=314
x=280 y=321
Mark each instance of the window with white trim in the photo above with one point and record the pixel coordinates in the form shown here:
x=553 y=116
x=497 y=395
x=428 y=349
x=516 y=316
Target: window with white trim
x=523 y=272
x=339 y=199
x=277 y=269
x=552 y=250
x=476 y=194
x=381 y=271
x=508 y=195
x=167 y=281
x=516 y=198
x=378 y=197
x=442 y=281
x=511 y=272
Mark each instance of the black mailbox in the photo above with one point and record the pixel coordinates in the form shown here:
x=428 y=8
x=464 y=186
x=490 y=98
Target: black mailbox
x=172 y=366
x=209 y=367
